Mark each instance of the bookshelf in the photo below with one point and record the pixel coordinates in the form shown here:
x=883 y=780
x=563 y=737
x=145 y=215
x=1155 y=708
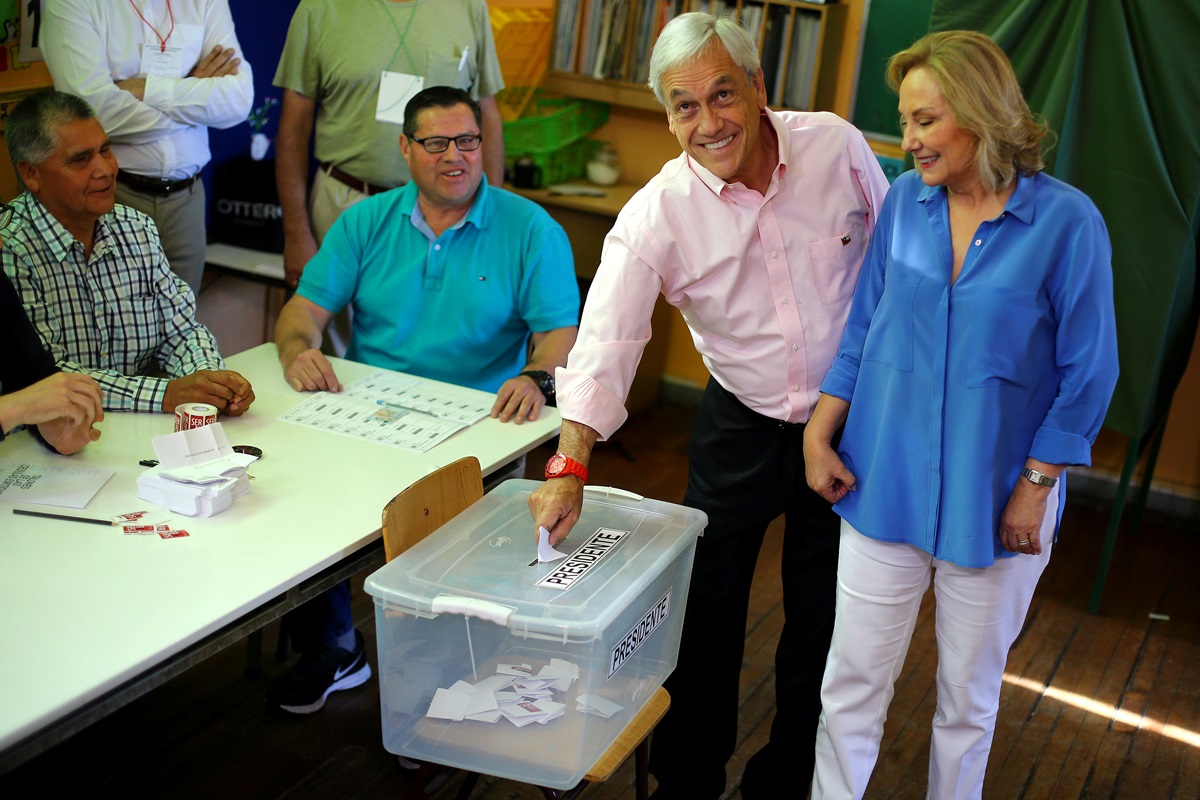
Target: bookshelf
x=601 y=48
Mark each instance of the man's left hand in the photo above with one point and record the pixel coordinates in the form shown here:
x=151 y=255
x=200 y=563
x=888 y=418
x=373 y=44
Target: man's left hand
x=519 y=399
x=217 y=64
x=223 y=388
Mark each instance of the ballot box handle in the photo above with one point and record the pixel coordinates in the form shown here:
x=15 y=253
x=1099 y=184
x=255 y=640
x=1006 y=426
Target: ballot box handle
x=612 y=491
x=472 y=607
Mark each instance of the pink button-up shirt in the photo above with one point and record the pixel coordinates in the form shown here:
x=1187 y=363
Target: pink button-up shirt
x=763 y=282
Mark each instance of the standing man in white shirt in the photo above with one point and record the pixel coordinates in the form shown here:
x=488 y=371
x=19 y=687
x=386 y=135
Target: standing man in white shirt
x=159 y=73
x=756 y=233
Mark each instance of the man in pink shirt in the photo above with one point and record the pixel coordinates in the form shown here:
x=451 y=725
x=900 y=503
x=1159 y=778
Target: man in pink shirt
x=756 y=233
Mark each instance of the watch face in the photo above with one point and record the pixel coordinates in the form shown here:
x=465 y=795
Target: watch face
x=556 y=464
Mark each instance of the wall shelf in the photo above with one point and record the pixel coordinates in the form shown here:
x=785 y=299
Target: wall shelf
x=601 y=48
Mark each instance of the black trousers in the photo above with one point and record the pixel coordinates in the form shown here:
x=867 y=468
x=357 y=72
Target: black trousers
x=746 y=470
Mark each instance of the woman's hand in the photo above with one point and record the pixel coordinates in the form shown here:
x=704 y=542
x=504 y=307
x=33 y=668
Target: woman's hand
x=825 y=472
x=1021 y=522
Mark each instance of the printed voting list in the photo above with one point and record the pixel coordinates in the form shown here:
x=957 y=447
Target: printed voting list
x=50 y=484
x=397 y=410
x=440 y=400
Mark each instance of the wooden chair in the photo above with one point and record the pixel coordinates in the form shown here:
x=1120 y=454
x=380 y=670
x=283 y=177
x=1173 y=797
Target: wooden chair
x=420 y=510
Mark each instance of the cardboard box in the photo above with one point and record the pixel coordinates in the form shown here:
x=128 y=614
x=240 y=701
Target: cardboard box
x=465 y=604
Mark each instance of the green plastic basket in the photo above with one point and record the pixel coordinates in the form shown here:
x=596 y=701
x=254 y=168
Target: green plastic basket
x=568 y=163
x=553 y=124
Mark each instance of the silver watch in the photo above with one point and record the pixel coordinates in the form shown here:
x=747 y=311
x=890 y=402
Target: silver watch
x=1033 y=476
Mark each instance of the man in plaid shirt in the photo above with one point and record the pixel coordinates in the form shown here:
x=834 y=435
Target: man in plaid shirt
x=92 y=275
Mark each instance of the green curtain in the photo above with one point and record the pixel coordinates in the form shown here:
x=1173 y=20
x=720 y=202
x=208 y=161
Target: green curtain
x=1119 y=82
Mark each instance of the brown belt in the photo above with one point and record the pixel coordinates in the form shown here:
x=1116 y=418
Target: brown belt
x=353 y=182
x=158 y=186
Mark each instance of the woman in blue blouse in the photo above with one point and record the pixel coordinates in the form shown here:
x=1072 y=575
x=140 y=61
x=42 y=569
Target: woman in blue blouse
x=977 y=363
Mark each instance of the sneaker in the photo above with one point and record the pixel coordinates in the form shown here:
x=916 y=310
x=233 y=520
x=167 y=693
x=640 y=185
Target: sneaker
x=327 y=670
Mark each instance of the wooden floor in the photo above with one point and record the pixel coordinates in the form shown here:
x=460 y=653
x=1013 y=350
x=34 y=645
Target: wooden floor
x=1103 y=706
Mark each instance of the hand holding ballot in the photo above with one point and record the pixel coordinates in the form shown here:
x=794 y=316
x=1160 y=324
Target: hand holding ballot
x=64 y=406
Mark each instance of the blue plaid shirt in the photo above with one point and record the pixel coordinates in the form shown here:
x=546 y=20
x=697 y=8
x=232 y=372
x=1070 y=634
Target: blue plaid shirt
x=114 y=316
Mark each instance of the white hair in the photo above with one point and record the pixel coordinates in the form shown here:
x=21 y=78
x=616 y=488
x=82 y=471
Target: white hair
x=688 y=35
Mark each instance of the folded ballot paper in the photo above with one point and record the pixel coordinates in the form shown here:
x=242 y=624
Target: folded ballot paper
x=198 y=474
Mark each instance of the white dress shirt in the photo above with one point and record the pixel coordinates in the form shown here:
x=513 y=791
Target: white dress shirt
x=90 y=44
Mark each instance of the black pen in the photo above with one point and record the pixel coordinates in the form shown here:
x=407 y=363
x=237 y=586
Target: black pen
x=47 y=515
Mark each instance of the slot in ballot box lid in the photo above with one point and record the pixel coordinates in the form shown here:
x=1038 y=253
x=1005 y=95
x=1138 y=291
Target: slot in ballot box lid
x=478 y=564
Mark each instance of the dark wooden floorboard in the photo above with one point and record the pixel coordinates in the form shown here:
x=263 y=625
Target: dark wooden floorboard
x=208 y=733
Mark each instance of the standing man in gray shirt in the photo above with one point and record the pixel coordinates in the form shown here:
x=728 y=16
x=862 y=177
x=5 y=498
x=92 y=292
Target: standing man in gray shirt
x=348 y=69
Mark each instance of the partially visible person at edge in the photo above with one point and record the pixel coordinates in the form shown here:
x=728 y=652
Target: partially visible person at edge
x=977 y=364
x=92 y=276
x=756 y=233
x=61 y=408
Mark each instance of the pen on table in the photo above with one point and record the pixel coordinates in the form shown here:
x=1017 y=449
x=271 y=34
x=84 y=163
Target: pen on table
x=47 y=515
x=462 y=62
x=396 y=406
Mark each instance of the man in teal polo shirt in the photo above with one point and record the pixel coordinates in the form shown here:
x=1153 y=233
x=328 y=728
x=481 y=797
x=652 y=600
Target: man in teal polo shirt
x=449 y=279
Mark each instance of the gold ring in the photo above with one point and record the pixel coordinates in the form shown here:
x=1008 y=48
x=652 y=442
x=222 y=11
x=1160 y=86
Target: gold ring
x=1022 y=542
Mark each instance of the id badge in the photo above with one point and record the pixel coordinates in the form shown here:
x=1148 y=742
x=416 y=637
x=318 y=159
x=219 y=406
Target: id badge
x=395 y=90
x=162 y=63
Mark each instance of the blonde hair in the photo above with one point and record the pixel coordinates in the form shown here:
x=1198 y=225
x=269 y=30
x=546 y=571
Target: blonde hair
x=979 y=85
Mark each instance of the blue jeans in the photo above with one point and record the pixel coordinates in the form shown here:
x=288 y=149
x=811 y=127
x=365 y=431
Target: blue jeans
x=321 y=621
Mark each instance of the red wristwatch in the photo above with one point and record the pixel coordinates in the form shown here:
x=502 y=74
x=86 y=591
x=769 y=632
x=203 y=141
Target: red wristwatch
x=559 y=466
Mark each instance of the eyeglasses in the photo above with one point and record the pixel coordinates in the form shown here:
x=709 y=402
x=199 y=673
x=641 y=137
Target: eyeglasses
x=439 y=144
x=6 y=214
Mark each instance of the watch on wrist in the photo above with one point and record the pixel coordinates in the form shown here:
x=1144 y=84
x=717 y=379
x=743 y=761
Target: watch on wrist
x=560 y=466
x=1033 y=476
x=545 y=382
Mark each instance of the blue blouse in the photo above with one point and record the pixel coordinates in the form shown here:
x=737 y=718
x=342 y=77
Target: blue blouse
x=953 y=387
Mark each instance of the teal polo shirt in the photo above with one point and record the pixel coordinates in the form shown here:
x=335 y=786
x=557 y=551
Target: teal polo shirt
x=457 y=308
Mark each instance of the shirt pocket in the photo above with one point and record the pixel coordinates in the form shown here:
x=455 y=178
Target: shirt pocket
x=890 y=338
x=134 y=321
x=1010 y=335
x=443 y=70
x=834 y=264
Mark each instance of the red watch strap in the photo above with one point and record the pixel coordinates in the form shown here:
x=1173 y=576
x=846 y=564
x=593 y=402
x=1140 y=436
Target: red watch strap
x=560 y=466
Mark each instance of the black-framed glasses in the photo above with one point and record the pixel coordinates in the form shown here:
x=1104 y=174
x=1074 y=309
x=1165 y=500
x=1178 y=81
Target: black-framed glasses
x=6 y=214
x=439 y=144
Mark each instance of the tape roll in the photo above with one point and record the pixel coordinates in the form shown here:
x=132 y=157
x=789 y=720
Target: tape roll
x=194 y=415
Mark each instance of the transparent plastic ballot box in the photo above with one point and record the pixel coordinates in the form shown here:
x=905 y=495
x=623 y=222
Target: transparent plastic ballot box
x=494 y=662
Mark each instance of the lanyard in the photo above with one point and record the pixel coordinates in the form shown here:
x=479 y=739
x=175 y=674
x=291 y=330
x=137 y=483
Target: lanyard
x=161 y=41
x=403 y=36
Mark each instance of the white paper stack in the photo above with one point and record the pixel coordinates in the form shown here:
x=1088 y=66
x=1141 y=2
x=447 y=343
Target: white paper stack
x=198 y=473
x=513 y=693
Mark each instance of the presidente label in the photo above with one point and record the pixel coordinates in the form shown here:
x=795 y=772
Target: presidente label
x=585 y=558
x=639 y=633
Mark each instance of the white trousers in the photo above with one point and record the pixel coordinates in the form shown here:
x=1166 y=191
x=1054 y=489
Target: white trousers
x=978 y=616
